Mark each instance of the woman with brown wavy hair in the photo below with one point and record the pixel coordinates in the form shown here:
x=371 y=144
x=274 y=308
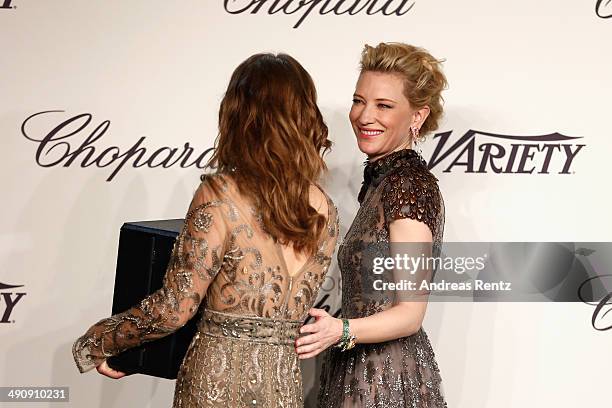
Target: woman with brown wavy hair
x=385 y=358
x=253 y=252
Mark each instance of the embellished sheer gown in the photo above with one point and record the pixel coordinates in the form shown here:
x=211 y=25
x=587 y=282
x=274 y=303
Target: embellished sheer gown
x=229 y=271
x=399 y=373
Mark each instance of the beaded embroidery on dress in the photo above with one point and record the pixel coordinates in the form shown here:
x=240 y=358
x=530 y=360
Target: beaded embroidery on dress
x=231 y=272
x=400 y=373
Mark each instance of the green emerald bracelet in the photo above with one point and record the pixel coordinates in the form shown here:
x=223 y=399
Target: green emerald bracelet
x=347 y=341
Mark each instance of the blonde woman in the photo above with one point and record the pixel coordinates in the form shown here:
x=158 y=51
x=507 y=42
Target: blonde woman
x=385 y=358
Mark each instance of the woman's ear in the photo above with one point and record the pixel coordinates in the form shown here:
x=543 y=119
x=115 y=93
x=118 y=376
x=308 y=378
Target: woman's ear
x=419 y=116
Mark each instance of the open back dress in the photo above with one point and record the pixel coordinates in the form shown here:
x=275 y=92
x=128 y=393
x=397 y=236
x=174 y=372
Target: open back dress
x=226 y=268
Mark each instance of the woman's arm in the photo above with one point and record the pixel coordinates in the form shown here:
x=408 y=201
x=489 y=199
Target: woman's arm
x=196 y=259
x=402 y=319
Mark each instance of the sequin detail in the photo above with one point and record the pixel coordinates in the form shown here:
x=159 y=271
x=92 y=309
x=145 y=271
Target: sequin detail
x=249 y=328
x=402 y=373
x=227 y=270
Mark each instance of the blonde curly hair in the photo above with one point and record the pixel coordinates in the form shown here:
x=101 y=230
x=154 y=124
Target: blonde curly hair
x=422 y=74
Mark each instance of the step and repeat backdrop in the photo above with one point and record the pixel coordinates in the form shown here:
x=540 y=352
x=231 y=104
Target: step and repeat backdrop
x=108 y=113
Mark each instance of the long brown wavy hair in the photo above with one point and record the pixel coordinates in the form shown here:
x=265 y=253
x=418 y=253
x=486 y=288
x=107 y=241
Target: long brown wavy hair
x=271 y=140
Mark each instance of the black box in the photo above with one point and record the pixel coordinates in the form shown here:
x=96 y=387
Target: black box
x=144 y=253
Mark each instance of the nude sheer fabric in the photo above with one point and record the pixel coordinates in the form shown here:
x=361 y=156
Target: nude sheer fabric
x=400 y=373
x=225 y=267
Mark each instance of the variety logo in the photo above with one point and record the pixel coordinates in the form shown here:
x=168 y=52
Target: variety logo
x=482 y=152
x=9 y=299
x=603 y=8
x=58 y=148
x=7 y=5
x=303 y=8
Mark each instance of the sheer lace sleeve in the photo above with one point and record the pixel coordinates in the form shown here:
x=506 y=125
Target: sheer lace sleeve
x=333 y=230
x=196 y=258
x=415 y=196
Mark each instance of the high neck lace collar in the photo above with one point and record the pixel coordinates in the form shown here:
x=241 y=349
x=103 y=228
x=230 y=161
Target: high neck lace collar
x=375 y=171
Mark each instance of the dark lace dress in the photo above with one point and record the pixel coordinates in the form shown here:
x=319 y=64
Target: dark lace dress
x=399 y=373
x=230 y=272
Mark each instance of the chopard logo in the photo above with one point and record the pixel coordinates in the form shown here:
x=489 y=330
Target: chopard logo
x=603 y=8
x=305 y=7
x=58 y=148
x=482 y=152
x=602 y=307
x=7 y=5
x=10 y=299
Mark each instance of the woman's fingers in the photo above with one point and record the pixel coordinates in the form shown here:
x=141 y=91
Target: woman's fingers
x=310 y=355
x=310 y=328
x=311 y=338
x=104 y=369
x=314 y=312
x=322 y=334
x=308 y=348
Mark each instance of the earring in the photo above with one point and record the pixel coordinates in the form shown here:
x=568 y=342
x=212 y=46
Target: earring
x=415 y=138
x=415 y=132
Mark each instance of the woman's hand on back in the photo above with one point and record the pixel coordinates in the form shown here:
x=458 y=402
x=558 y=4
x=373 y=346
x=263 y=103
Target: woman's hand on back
x=324 y=332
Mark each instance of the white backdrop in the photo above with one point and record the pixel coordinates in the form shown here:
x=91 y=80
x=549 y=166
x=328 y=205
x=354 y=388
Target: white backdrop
x=158 y=69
